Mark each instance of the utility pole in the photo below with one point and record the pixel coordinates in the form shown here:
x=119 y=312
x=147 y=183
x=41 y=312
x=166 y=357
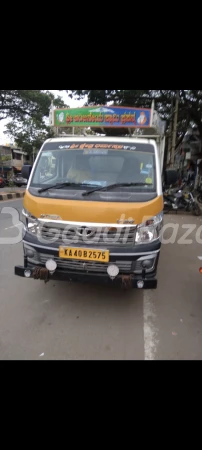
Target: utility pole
x=170 y=134
x=175 y=128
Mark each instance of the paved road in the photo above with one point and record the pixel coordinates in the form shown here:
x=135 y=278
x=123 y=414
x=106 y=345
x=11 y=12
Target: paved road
x=63 y=321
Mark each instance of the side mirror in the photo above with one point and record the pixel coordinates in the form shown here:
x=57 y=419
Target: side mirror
x=171 y=176
x=26 y=171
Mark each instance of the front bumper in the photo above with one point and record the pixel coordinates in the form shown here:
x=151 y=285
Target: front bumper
x=129 y=262
x=124 y=280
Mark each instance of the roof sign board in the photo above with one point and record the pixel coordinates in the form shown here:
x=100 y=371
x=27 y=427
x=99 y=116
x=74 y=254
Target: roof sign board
x=103 y=117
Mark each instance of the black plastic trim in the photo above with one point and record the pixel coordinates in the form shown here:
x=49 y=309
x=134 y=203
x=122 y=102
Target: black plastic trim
x=149 y=283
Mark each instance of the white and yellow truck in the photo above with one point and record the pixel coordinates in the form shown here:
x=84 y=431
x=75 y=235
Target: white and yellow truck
x=93 y=206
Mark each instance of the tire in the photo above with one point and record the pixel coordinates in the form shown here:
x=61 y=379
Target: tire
x=197 y=210
x=199 y=198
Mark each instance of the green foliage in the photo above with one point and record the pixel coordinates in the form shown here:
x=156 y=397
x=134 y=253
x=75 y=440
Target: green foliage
x=28 y=110
x=190 y=108
x=119 y=97
x=20 y=104
x=30 y=134
x=5 y=158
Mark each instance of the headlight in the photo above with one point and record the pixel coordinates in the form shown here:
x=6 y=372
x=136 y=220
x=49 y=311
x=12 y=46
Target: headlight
x=150 y=230
x=32 y=223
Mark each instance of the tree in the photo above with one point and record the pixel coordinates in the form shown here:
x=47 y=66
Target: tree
x=190 y=107
x=29 y=135
x=20 y=104
x=28 y=110
x=119 y=97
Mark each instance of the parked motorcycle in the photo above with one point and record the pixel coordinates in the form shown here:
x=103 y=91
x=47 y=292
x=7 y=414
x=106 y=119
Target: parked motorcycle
x=199 y=198
x=3 y=181
x=177 y=200
x=197 y=193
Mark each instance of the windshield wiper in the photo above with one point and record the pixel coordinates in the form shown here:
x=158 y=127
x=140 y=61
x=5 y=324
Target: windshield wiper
x=60 y=186
x=113 y=186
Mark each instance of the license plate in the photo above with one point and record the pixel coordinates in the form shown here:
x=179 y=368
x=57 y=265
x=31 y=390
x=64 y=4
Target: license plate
x=84 y=254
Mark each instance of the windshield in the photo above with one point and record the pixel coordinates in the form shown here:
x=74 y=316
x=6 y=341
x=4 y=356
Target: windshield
x=96 y=165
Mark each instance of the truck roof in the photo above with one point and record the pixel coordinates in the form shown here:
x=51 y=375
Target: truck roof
x=127 y=140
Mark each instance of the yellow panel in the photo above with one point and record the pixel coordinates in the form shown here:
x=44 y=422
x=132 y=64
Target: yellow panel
x=92 y=212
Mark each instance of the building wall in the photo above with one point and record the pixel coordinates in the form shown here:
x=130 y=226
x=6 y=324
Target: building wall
x=5 y=151
x=16 y=160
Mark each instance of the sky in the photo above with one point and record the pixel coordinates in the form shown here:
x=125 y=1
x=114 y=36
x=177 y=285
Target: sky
x=71 y=102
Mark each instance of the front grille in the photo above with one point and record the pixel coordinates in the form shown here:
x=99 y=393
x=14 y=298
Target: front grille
x=89 y=236
x=74 y=265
